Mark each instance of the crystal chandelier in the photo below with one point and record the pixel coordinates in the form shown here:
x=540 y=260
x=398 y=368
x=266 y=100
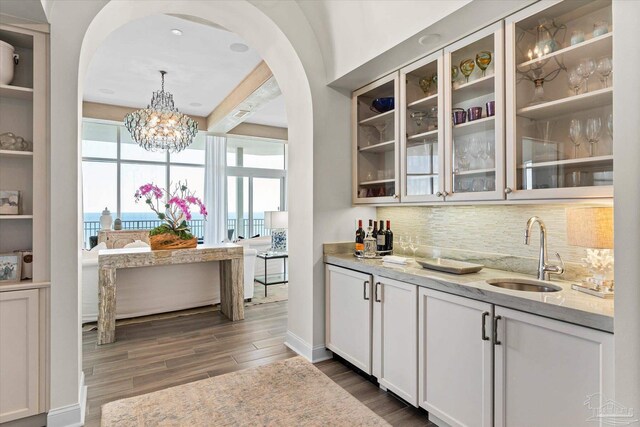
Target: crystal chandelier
x=161 y=126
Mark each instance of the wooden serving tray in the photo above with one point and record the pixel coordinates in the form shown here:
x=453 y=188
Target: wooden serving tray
x=449 y=265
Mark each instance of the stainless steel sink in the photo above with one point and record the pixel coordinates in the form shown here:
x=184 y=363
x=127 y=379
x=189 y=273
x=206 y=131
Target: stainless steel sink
x=526 y=285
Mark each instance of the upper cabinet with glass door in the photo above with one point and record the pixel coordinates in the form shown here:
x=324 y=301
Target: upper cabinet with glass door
x=375 y=142
x=474 y=116
x=559 y=101
x=422 y=130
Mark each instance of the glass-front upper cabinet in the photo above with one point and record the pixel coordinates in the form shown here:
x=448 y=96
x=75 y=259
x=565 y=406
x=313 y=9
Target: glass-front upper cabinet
x=375 y=142
x=422 y=130
x=559 y=96
x=474 y=116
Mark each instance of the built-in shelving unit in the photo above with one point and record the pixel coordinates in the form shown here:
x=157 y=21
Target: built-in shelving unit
x=583 y=101
x=380 y=147
x=25 y=303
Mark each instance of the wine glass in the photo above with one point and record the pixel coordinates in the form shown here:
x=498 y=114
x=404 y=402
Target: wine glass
x=575 y=81
x=454 y=73
x=418 y=117
x=403 y=242
x=610 y=124
x=414 y=244
x=594 y=126
x=381 y=127
x=586 y=68
x=462 y=158
x=425 y=84
x=575 y=129
x=604 y=68
x=466 y=68
x=483 y=59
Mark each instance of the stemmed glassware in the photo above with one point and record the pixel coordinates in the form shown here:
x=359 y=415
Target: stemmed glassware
x=586 y=68
x=604 y=69
x=466 y=68
x=483 y=59
x=403 y=241
x=575 y=130
x=414 y=244
x=454 y=73
x=610 y=124
x=575 y=81
x=462 y=158
x=381 y=127
x=594 y=126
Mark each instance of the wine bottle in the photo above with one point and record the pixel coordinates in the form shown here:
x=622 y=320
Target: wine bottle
x=381 y=237
x=389 y=237
x=360 y=238
x=374 y=233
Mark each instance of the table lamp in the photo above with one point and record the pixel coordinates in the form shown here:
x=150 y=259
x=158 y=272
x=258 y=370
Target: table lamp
x=277 y=222
x=592 y=228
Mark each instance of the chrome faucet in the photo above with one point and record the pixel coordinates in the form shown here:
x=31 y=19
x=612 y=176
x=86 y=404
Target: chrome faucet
x=544 y=269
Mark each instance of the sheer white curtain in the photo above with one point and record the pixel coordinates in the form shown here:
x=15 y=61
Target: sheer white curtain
x=215 y=193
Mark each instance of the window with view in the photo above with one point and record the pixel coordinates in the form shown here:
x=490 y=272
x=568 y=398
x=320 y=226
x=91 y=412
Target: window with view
x=114 y=166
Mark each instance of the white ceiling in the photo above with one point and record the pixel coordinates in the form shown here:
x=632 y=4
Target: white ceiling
x=201 y=67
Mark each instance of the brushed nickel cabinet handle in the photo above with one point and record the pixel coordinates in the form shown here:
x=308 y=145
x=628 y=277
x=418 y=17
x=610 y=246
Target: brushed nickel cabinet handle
x=484 y=326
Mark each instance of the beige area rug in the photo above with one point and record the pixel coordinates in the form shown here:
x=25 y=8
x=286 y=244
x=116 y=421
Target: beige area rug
x=275 y=293
x=292 y=392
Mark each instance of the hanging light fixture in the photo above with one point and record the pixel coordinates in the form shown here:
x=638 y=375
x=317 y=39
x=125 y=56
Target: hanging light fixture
x=161 y=126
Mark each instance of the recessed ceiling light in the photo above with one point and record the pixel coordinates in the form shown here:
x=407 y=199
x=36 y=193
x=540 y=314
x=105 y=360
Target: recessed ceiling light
x=107 y=91
x=429 y=39
x=239 y=47
x=176 y=32
x=196 y=104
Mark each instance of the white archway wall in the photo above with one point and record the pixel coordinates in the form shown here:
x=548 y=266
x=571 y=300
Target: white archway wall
x=318 y=213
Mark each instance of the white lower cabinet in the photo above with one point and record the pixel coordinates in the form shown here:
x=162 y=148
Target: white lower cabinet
x=550 y=373
x=395 y=337
x=348 y=315
x=456 y=358
x=19 y=354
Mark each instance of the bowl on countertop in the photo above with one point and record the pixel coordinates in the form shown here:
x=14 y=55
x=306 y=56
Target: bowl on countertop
x=382 y=105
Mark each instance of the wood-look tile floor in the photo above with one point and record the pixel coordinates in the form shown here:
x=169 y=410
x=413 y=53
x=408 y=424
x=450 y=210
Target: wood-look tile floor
x=153 y=355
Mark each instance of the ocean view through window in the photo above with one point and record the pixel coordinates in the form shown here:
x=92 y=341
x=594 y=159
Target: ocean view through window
x=113 y=167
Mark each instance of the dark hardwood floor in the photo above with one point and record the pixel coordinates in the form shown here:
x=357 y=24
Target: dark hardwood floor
x=157 y=354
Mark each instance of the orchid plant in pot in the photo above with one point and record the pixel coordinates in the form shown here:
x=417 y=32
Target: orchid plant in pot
x=173 y=207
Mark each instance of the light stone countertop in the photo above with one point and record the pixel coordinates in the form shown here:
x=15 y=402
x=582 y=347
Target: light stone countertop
x=566 y=305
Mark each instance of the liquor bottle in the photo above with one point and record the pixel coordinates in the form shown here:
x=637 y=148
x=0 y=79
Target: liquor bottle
x=389 y=238
x=360 y=238
x=381 y=237
x=369 y=243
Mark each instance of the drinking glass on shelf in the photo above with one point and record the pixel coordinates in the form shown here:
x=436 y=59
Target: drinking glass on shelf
x=594 y=126
x=610 y=124
x=454 y=73
x=466 y=68
x=586 y=68
x=575 y=129
x=604 y=69
x=462 y=156
x=575 y=81
x=381 y=127
x=483 y=59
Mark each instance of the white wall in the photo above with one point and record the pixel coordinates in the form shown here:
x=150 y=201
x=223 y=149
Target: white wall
x=352 y=32
x=626 y=158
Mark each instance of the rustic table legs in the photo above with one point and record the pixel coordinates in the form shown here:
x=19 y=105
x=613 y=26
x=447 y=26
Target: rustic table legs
x=106 y=305
x=232 y=288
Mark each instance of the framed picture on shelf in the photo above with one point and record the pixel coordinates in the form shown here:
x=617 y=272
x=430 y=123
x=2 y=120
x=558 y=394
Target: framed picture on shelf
x=9 y=202
x=10 y=268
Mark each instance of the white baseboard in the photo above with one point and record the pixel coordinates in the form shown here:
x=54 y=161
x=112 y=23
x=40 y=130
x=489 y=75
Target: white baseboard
x=304 y=349
x=70 y=415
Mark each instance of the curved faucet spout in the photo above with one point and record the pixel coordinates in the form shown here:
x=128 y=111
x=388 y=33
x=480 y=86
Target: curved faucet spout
x=544 y=269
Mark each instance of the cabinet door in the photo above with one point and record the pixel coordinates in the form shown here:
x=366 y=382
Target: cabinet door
x=455 y=358
x=550 y=373
x=348 y=315
x=376 y=147
x=395 y=337
x=422 y=130
x=19 y=354
x=559 y=130
x=475 y=144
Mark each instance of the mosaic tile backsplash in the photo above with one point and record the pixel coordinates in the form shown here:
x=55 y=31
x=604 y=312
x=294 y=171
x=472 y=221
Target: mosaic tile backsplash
x=492 y=235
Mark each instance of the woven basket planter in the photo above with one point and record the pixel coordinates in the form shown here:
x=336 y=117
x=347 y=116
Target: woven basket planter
x=171 y=241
